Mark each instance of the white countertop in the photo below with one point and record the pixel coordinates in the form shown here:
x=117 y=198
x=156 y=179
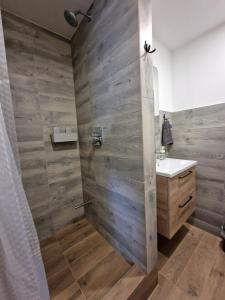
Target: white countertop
x=171 y=167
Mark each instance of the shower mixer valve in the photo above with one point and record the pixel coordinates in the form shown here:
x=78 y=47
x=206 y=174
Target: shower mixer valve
x=96 y=136
x=97 y=141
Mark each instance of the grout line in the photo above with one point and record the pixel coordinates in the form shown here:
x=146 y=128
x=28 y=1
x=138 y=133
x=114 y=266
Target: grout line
x=97 y=262
x=200 y=241
x=198 y=245
x=121 y=279
x=186 y=262
x=68 y=265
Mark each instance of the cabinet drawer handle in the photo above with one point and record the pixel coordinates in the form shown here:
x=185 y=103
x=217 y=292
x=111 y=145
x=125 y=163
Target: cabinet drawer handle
x=185 y=203
x=189 y=173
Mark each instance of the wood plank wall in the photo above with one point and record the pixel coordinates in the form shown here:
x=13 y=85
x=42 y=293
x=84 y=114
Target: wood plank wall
x=199 y=134
x=6 y=97
x=148 y=131
x=106 y=60
x=41 y=79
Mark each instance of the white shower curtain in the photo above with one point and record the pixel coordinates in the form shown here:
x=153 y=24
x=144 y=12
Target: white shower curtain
x=22 y=275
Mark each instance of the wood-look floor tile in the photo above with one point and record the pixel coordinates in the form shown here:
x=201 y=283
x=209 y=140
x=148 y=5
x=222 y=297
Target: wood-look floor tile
x=178 y=261
x=194 y=231
x=84 y=246
x=71 y=239
x=55 y=264
x=126 y=285
x=191 y=266
x=162 y=259
x=71 y=228
x=195 y=267
x=52 y=250
x=72 y=292
x=214 y=288
x=97 y=282
x=166 y=290
x=197 y=270
x=88 y=261
x=60 y=281
x=45 y=243
x=212 y=240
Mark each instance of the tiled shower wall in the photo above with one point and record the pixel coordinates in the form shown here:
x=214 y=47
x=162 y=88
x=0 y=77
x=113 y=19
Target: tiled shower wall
x=6 y=97
x=41 y=79
x=199 y=134
x=109 y=91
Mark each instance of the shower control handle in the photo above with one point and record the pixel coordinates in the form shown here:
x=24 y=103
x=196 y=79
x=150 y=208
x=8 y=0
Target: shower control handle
x=97 y=136
x=97 y=141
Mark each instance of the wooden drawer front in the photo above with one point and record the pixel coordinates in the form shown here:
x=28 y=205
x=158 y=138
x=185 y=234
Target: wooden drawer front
x=176 y=200
x=182 y=184
x=181 y=210
x=182 y=199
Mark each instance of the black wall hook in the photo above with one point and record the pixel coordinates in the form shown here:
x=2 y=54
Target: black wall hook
x=148 y=48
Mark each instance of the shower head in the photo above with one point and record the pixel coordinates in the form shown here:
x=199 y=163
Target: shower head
x=71 y=17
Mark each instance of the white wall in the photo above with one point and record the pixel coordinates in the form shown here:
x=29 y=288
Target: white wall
x=194 y=75
x=199 y=72
x=162 y=60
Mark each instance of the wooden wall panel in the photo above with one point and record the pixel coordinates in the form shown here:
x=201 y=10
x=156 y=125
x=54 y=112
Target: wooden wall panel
x=148 y=131
x=199 y=134
x=41 y=79
x=106 y=61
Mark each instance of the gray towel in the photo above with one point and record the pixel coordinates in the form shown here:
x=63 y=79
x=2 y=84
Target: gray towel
x=167 y=138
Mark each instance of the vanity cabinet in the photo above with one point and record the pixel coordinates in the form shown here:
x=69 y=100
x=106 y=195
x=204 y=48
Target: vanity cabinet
x=176 y=201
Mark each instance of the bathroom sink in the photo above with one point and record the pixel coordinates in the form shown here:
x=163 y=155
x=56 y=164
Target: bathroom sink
x=171 y=167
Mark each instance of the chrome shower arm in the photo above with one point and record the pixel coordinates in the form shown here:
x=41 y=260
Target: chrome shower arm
x=79 y=12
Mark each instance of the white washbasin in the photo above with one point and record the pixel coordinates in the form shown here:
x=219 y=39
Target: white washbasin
x=171 y=167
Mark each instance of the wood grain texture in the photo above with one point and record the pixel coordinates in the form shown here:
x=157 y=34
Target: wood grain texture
x=172 y=193
x=191 y=280
x=181 y=255
x=104 y=271
x=145 y=287
x=199 y=135
x=193 y=266
x=118 y=178
x=148 y=132
x=167 y=290
x=126 y=285
x=41 y=79
x=182 y=195
x=97 y=272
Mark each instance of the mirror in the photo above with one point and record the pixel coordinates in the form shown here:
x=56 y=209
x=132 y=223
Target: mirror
x=156 y=90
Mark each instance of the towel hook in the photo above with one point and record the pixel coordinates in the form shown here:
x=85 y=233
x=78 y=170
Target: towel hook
x=148 y=48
